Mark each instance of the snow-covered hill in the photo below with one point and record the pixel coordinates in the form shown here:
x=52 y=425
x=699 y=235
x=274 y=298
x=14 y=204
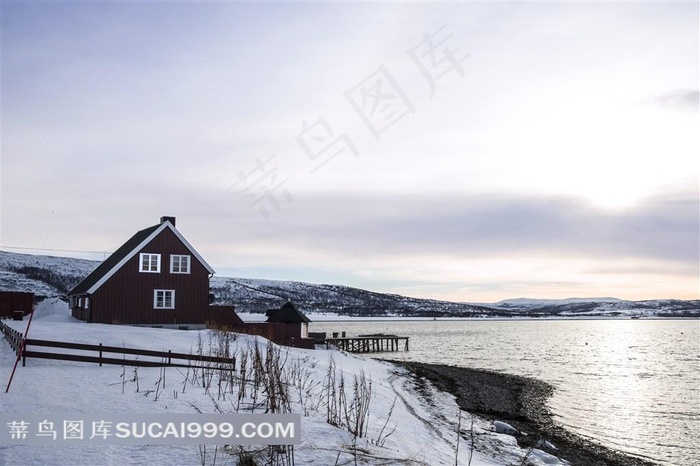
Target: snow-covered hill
x=253 y=296
x=48 y=276
x=601 y=307
x=45 y=276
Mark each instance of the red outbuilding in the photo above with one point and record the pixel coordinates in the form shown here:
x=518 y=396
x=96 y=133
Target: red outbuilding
x=16 y=304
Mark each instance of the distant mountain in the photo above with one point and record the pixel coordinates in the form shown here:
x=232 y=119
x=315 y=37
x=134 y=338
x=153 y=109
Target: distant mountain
x=601 y=307
x=48 y=276
x=529 y=302
x=249 y=295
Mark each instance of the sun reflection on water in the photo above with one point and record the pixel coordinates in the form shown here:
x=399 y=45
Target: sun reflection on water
x=630 y=384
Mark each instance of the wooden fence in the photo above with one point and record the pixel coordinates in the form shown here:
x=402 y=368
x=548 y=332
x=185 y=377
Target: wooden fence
x=167 y=358
x=12 y=336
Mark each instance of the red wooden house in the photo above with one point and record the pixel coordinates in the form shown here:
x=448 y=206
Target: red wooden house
x=156 y=277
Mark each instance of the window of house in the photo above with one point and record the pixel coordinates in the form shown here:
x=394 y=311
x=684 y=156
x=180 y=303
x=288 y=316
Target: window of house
x=87 y=302
x=164 y=299
x=179 y=264
x=150 y=263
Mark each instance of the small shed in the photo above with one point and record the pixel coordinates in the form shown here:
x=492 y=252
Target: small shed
x=16 y=304
x=294 y=322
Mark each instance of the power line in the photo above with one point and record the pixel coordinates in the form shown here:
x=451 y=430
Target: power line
x=55 y=250
x=258 y=289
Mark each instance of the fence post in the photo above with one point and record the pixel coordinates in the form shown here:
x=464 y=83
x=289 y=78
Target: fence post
x=100 y=354
x=170 y=357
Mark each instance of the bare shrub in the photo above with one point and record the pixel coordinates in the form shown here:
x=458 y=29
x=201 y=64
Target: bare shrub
x=352 y=416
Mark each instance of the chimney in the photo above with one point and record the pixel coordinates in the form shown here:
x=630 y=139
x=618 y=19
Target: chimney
x=168 y=219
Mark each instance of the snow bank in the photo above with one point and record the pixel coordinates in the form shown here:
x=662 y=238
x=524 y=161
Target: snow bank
x=53 y=310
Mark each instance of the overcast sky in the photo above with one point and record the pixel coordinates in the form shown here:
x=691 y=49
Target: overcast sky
x=463 y=151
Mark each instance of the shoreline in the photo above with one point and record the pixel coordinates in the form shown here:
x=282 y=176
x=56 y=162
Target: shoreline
x=522 y=403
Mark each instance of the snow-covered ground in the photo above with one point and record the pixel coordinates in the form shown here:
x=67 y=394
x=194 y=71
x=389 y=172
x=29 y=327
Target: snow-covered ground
x=423 y=422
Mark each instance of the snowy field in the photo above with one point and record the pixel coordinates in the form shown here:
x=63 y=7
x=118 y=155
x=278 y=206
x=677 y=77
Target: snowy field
x=420 y=429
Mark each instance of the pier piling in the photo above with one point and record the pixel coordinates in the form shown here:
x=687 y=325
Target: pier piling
x=369 y=343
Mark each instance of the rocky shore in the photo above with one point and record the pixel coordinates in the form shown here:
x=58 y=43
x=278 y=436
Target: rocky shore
x=522 y=403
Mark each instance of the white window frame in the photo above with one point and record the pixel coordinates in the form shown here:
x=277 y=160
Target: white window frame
x=164 y=293
x=151 y=257
x=180 y=258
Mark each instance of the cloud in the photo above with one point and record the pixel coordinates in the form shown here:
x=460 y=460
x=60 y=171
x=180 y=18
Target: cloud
x=464 y=247
x=679 y=99
x=663 y=228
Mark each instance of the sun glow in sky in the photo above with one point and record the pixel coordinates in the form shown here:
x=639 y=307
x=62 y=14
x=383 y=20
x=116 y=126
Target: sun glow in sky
x=463 y=151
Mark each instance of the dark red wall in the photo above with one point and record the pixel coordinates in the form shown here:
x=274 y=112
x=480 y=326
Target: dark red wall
x=127 y=297
x=11 y=301
x=224 y=316
x=287 y=334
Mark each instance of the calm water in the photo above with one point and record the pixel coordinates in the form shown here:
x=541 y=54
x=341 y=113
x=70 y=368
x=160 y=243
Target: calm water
x=633 y=385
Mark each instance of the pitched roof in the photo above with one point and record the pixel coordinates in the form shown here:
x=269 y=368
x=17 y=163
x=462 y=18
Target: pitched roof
x=125 y=252
x=287 y=314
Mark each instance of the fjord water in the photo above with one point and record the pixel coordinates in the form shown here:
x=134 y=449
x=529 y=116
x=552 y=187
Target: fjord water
x=632 y=385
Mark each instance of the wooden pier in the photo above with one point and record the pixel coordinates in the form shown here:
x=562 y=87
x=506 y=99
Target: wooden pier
x=369 y=343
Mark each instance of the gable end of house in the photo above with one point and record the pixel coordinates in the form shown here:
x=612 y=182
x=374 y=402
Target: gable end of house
x=127 y=251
